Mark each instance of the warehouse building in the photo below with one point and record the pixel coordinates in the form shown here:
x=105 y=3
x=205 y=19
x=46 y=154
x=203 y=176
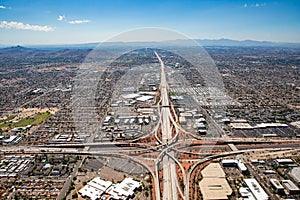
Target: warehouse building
x=255 y=188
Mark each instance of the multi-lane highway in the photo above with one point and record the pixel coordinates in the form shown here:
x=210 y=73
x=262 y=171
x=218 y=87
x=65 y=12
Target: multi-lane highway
x=166 y=119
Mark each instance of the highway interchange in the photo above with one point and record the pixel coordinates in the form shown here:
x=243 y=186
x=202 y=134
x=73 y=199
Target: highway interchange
x=167 y=134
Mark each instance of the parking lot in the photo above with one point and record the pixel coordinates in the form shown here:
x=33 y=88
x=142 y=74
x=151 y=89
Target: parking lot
x=267 y=132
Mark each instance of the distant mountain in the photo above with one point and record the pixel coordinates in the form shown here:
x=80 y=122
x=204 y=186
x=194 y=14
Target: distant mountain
x=20 y=51
x=202 y=42
x=228 y=42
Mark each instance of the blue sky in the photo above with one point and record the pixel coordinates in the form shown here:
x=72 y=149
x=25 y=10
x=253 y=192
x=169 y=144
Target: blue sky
x=82 y=21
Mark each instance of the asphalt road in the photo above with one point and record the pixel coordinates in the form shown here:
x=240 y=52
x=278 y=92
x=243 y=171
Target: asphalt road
x=169 y=169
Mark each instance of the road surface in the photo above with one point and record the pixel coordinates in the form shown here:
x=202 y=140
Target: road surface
x=169 y=169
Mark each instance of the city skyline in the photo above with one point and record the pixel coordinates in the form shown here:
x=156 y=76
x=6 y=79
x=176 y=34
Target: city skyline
x=66 y=22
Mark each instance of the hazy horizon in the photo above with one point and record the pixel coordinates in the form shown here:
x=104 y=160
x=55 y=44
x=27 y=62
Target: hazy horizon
x=143 y=41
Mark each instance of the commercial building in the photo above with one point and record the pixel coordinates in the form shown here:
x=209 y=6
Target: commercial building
x=269 y=171
x=295 y=174
x=100 y=189
x=241 y=126
x=242 y=167
x=182 y=120
x=128 y=90
x=290 y=187
x=277 y=186
x=13 y=139
x=229 y=162
x=246 y=193
x=285 y=162
x=124 y=190
x=270 y=125
x=95 y=188
x=145 y=98
x=214 y=184
x=187 y=115
x=235 y=163
x=255 y=188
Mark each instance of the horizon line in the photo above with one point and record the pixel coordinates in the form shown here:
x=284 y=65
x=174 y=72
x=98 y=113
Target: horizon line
x=145 y=41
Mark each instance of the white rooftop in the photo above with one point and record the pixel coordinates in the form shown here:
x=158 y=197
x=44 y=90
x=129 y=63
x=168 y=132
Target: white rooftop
x=296 y=124
x=95 y=188
x=130 y=96
x=241 y=126
x=125 y=188
x=257 y=191
x=246 y=193
x=145 y=98
x=242 y=167
x=229 y=161
x=276 y=183
x=295 y=174
x=289 y=185
x=10 y=139
x=284 y=160
x=265 y=125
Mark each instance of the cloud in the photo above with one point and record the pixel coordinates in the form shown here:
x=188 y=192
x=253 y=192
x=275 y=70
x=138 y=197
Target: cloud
x=260 y=4
x=22 y=26
x=2 y=7
x=256 y=5
x=79 y=21
x=61 y=18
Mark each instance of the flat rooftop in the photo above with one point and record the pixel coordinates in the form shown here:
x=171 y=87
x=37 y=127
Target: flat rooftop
x=214 y=184
x=295 y=174
x=213 y=170
x=256 y=189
